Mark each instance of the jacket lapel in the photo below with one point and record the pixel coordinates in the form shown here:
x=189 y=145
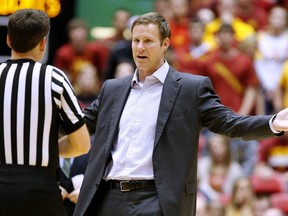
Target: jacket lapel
x=169 y=94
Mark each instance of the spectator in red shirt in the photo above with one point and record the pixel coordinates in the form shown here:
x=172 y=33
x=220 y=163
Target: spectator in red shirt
x=232 y=73
x=188 y=57
x=179 y=23
x=78 y=50
x=119 y=22
x=274 y=153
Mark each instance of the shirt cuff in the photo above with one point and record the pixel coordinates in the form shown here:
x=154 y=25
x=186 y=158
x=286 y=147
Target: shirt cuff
x=271 y=125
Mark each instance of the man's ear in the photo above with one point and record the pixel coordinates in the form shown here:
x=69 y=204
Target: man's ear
x=8 y=41
x=166 y=43
x=43 y=44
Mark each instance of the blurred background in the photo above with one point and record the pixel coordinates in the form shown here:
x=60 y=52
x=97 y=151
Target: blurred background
x=96 y=13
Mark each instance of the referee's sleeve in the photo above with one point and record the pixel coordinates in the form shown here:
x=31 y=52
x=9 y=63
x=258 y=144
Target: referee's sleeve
x=70 y=111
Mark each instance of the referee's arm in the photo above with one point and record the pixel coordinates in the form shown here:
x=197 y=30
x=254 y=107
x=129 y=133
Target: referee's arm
x=75 y=143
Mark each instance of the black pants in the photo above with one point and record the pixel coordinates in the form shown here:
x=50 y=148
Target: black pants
x=111 y=201
x=29 y=191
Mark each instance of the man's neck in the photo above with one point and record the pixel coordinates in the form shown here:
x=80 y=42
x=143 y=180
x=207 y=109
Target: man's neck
x=16 y=55
x=228 y=53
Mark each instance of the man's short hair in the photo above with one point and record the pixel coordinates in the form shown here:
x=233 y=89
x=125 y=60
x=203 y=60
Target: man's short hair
x=75 y=23
x=226 y=28
x=26 y=28
x=155 y=18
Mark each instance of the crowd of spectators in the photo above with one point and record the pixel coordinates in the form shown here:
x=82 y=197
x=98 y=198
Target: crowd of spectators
x=242 y=45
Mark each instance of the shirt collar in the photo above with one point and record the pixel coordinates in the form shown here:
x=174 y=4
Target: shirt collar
x=160 y=74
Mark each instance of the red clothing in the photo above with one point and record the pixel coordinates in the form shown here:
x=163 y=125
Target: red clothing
x=255 y=16
x=180 y=35
x=100 y=56
x=69 y=61
x=230 y=77
x=274 y=152
x=186 y=62
x=266 y=4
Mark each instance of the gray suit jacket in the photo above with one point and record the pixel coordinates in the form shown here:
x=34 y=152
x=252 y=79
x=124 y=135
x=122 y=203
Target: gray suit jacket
x=188 y=104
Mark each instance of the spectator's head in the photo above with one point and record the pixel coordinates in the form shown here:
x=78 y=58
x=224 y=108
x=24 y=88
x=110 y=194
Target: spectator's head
x=226 y=10
x=206 y=15
x=120 y=19
x=124 y=68
x=196 y=30
x=260 y=205
x=180 y=9
x=242 y=193
x=26 y=29
x=77 y=30
x=226 y=28
x=219 y=149
x=225 y=37
x=278 y=19
x=163 y=7
x=86 y=81
x=249 y=46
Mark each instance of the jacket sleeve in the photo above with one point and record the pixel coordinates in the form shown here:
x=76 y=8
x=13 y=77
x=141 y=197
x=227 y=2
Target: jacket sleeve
x=220 y=119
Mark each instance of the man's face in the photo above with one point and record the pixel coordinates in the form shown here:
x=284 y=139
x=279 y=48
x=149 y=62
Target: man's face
x=196 y=31
x=148 y=52
x=278 y=18
x=78 y=38
x=226 y=39
x=120 y=20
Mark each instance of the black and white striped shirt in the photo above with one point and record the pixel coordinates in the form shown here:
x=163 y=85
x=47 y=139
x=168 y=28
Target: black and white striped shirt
x=34 y=100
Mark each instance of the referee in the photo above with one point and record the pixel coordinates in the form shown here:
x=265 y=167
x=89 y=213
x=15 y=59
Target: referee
x=35 y=99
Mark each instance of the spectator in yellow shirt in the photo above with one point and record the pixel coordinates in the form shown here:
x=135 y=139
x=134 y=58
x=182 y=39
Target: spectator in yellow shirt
x=226 y=10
